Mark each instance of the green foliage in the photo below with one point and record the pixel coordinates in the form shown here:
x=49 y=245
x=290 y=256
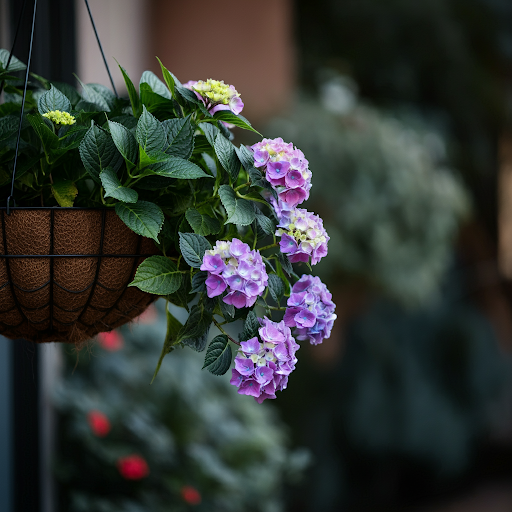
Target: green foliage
x=389 y=203
x=169 y=170
x=218 y=356
x=158 y=275
x=190 y=426
x=192 y=248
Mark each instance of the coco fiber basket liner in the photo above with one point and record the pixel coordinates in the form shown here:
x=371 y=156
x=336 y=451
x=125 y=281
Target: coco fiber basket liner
x=64 y=273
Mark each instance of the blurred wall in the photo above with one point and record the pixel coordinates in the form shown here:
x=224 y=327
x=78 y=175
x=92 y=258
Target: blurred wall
x=123 y=29
x=248 y=44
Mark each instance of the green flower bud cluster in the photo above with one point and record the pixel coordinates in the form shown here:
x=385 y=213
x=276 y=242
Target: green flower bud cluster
x=58 y=117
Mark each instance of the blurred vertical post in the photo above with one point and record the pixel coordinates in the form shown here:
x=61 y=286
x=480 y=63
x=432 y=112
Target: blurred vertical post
x=505 y=205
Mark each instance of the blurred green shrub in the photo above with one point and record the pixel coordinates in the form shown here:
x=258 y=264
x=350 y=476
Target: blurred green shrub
x=389 y=204
x=192 y=442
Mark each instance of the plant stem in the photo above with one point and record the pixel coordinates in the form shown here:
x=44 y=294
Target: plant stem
x=271 y=246
x=219 y=326
x=248 y=184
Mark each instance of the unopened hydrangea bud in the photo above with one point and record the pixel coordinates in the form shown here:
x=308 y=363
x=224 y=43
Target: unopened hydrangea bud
x=232 y=266
x=216 y=95
x=263 y=363
x=310 y=310
x=286 y=169
x=302 y=235
x=58 y=117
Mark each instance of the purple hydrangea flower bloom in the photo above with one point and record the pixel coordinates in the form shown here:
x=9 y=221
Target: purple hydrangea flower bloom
x=234 y=268
x=310 y=310
x=285 y=168
x=263 y=363
x=216 y=95
x=302 y=235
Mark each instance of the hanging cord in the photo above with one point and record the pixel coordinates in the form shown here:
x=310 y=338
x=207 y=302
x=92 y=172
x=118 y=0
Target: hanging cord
x=13 y=43
x=101 y=48
x=22 y=108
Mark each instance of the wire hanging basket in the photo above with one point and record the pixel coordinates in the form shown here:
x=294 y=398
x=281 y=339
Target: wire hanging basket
x=64 y=272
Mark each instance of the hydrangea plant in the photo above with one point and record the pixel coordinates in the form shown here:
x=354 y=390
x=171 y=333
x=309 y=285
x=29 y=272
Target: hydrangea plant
x=225 y=217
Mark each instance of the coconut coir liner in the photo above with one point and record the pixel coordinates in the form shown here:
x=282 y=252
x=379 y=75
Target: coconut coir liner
x=68 y=299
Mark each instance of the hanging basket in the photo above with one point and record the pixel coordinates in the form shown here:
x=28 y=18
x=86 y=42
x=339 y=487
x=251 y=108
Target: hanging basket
x=64 y=273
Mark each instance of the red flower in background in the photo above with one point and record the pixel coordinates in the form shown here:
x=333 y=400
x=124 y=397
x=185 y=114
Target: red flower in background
x=190 y=495
x=99 y=423
x=133 y=467
x=110 y=341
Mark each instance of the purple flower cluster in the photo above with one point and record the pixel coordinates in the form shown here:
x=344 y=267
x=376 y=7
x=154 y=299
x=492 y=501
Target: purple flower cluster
x=286 y=168
x=302 y=235
x=233 y=266
x=216 y=95
x=262 y=367
x=311 y=310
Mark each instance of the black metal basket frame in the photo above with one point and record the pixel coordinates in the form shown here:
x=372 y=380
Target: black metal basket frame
x=52 y=283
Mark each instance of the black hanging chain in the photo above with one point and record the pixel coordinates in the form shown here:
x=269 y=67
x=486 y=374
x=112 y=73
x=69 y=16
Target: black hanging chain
x=101 y=48
x=22 y=108
x=13 y=43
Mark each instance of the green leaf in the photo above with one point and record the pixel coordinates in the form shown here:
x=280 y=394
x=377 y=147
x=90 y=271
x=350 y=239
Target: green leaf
x=150 y=133
x=113 y=187
x=201 y=144
x=99 y=95
x=14 y=65
x=181 y=297
x=69 y=91
x=8 y=126
x=180 y=137
x=53 y=100
x=64 y=192
x=202 y=224
x=285 y=263
x=189 y=97
x=276 y=287
x=211 y=132
x=251 y=327
x=49 y=140
x=218 y=355
x=98 y=151
x=228 y=117
x=168 y=77
x=240 y=211
x=192 y=248
x=265 y=223
x=157 y=86
x=195 y=331
x=198 y=280
x=226 y=153
x=245 y=156
x=143 y=217
x=125 y=142
x=157 y=275
x=132 y=93
x=228 y=310
x=174 y=167
x=174 y=326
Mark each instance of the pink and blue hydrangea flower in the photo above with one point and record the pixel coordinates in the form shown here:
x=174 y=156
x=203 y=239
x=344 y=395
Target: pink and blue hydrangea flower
x=233 y=268
x=263 y=363
x=285 y=168
x=310 y=310
x=303 y=236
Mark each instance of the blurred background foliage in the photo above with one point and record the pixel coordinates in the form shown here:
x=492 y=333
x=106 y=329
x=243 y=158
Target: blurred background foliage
x=190 y=427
